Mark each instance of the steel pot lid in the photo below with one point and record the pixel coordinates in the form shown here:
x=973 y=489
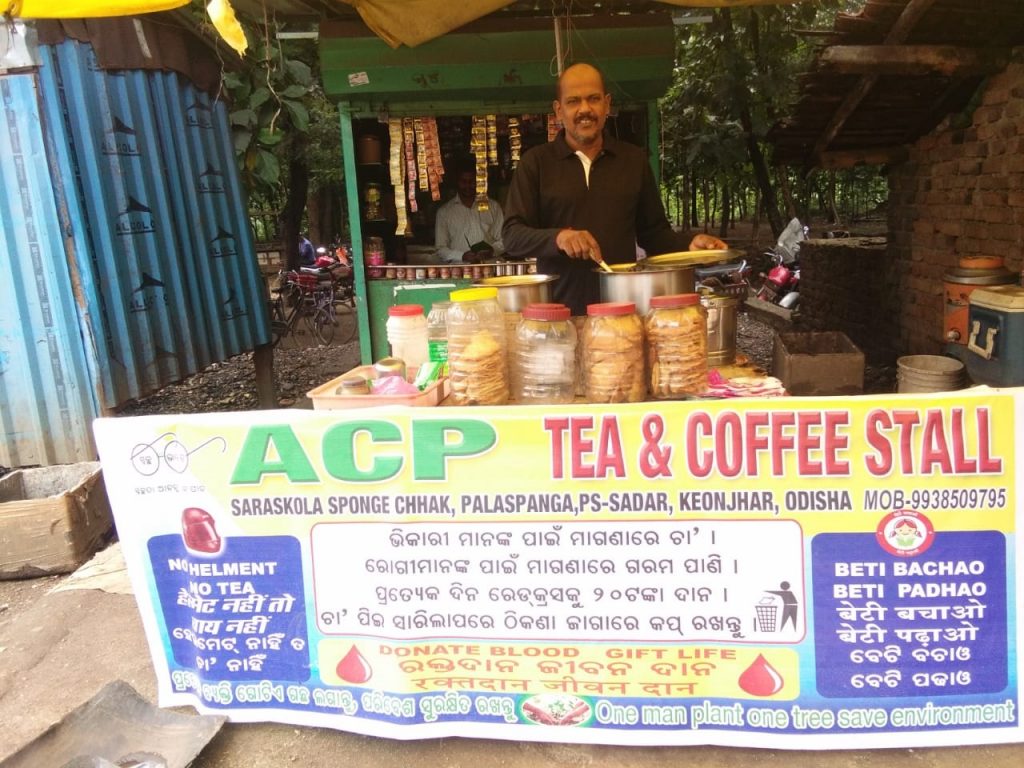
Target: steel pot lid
x=511 y=281
x=996 y=276
x=694 y=258
x=640 y=268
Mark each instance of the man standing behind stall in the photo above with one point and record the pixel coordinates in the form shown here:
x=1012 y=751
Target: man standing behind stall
x=587 y=196
x=463 y=233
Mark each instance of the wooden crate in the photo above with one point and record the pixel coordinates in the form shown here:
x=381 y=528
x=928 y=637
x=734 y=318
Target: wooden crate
x=52 y=519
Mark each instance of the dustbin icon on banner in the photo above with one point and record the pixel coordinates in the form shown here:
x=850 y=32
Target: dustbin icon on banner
x=766 y=614
x=777 y=608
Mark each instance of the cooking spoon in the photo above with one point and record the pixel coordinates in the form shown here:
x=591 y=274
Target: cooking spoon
x=601 y=263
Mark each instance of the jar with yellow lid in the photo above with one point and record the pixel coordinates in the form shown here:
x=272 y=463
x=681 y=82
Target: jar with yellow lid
x=676 y=329
x=477 y=366
x=545 y=352
x=613 y=354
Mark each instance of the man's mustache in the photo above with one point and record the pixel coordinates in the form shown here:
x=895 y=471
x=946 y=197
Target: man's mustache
x=585 y=116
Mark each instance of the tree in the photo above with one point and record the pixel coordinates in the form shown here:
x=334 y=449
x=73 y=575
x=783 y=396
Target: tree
x=325 y=209
x=286 y=135
x=733 y=78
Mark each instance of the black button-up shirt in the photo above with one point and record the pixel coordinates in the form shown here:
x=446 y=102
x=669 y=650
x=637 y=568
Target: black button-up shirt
x=620 y=208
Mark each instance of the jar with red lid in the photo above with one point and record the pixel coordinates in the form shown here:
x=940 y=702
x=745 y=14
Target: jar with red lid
x=676 y=330
x=613 y=354
x=407 y=334
x=545 y=349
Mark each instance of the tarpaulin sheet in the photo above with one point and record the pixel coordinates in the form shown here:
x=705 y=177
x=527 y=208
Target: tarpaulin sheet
x=411 y=22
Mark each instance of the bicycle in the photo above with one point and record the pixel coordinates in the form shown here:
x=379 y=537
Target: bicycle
x=302 y=296
x=343 y=307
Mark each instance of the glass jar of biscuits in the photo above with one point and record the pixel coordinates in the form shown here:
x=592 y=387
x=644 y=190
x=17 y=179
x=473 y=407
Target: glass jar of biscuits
x=477 y=366
x=613 y=354
x=676 y=328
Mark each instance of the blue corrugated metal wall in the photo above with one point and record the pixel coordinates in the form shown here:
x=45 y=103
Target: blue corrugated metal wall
x=158 y=261
x=46 y=403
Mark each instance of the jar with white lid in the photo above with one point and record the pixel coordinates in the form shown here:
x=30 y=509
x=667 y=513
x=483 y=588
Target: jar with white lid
x=407 y=334
x=477 y=367
x=545 y=350
x=676 y=330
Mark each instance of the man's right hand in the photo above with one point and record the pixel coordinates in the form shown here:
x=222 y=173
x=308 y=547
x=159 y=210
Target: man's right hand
x=578 y=244
x=702 y=242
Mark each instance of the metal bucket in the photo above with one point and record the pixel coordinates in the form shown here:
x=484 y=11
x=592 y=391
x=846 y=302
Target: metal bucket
x=722 y=311
x=929 y=373
x=627 y=283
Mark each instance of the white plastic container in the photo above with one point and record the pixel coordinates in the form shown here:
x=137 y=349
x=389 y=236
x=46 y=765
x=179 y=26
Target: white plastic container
x=407 y=334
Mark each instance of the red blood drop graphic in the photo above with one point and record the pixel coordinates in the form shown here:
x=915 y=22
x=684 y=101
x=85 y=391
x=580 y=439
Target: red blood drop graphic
x=761 y=678
x=354 y=668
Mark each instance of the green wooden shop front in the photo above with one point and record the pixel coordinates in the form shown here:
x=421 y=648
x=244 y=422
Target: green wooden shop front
x=494 y=66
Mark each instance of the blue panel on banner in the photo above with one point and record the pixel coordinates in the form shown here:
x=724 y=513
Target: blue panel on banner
x=931 y=624
x=237 y=613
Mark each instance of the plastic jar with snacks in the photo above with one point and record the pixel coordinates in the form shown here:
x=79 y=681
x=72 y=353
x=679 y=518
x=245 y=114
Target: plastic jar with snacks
x=613 y=354
x=437 y=332
x=545 y=350
x=476 y=348
x=407 y=334
x=676 y=328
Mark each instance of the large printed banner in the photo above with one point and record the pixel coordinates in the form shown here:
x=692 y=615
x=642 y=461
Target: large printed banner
x=791 y=573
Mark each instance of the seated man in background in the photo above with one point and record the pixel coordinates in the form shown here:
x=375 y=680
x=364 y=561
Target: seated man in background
x=463 y=233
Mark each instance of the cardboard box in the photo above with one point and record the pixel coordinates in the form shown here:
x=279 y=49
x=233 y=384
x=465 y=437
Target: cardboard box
x=52 y=519
x=818 y=363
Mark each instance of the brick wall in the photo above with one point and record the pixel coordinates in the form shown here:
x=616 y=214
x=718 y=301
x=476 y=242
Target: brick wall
x=843 y=285
x=960 y=193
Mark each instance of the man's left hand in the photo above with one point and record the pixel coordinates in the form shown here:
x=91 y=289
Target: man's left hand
x=704 y=242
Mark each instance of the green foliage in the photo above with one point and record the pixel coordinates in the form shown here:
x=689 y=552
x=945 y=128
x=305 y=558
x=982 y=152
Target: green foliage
x=734 y=78
x=272 y=97
x=323 y=150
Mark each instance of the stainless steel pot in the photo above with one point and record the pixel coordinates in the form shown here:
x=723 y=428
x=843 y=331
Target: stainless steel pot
x=626 y=282
x=516 y=291
x=721 y=327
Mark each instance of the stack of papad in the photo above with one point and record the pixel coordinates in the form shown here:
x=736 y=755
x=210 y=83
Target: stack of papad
x=613 y=359
x=477 y=371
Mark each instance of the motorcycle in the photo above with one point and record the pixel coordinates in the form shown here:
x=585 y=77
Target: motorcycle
x=332 y=267
x=782 y=282
x=725 y=279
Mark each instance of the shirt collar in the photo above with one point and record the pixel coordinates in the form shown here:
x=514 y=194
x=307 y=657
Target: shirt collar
x=608 y=145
